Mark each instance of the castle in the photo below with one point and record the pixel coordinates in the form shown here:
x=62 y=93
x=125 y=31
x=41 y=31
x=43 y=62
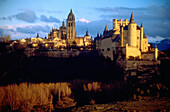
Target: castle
x=126 y=40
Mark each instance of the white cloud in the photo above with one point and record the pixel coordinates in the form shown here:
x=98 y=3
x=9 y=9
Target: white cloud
x=155 y=39
x=18 y=31
x=84 y=20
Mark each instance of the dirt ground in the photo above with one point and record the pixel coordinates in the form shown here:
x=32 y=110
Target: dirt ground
x=147 y=104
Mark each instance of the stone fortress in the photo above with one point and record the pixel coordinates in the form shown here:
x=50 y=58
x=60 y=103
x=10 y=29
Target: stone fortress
x=127 y=45
x=126 y=39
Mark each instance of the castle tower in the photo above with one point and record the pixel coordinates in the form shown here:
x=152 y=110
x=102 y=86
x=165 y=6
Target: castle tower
x=121 y=36
x=141 y=37
x=105 y=30
x=126 y=22
x=71 y=26
x=156 y=52
x=132 y=32
x=114 y=23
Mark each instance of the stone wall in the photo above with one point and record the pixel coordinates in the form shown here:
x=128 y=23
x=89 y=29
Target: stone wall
x=53 y=53
x=134 y=64
x=132 y=51
x=148 y=56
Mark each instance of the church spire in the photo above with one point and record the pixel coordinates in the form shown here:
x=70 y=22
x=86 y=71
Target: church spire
x=63 y=23
x=37 y=35
x=87 y=33
x=132 y=20
x=70 y=10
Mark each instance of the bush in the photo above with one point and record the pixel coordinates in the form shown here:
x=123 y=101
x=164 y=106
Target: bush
x=26 y=96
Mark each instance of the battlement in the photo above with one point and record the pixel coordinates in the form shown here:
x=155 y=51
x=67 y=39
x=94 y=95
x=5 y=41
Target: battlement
x=118 y=23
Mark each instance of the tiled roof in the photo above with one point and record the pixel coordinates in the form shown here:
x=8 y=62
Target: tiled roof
x=109 y=33
x=116 y=39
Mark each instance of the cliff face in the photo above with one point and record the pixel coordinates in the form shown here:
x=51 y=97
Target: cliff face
x=141 y=70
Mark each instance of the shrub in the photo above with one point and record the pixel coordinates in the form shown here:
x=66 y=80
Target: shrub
x=26 y=96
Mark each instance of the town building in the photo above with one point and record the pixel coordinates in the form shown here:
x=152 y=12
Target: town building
x=58 y=39
x=68 y=34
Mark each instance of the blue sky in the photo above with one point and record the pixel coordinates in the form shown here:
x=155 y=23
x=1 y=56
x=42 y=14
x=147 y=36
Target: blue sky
x=26 y=18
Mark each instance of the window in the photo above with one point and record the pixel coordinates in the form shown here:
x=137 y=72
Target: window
x=108 y=49
x=102 y=49
x=137 y=37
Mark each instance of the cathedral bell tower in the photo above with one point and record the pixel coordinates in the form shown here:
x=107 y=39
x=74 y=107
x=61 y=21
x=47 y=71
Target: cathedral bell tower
x=71 y=34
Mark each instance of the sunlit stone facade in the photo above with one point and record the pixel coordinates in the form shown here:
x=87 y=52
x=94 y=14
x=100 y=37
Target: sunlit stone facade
x=126 y=39
x=68 y=34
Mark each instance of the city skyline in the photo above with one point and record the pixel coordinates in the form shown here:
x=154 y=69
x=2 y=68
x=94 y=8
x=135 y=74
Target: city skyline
x=25 y=19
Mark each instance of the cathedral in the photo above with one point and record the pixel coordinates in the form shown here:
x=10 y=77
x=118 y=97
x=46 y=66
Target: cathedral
x=126 y=40
x=67 y=34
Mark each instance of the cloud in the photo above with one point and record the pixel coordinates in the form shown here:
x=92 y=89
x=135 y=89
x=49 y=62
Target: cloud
x=1 y=31
x=5 y=18
x=155 y=39
x=30 y=17
x=155 y=19
x=27 y=16
x=84 y=20
x=50 y=19
x=33 y=29
x=24 y=31
x=93 y=27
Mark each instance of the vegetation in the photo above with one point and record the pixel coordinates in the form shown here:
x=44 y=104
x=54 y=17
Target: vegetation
x=90 y=79
x=27 y=96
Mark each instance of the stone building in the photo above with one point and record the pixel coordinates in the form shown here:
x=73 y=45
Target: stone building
x=126 y=39
x=68 y=34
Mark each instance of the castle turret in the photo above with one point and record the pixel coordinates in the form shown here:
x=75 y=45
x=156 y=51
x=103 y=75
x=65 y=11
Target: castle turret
x=98 y=35
x=132 y=20
x=105 y=30
x=156 y=52
x=141 y=37
x=114 y=23
x=132 y=32
x=126 y=22
x=120 y=22
x=121 y=36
